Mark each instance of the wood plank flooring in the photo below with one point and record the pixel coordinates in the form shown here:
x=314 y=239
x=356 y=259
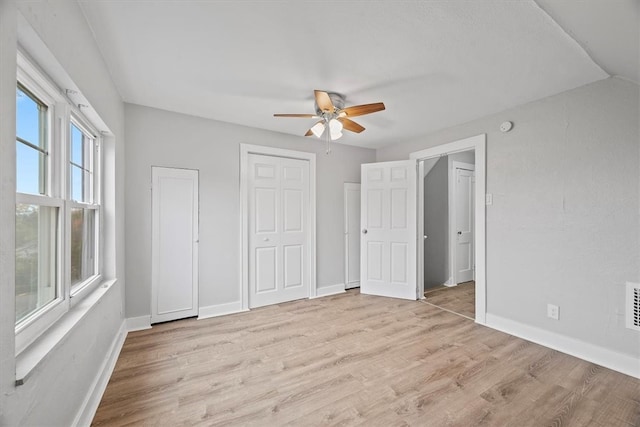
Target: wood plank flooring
x=355 y=359
x=460 y=299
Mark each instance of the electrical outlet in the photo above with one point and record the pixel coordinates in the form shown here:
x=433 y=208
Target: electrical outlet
x=553 y=311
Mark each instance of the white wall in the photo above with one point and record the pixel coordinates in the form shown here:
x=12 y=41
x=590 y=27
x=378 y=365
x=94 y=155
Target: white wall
x=54 y=393
x=8 y=35
x=564 y=227
x=162 y=138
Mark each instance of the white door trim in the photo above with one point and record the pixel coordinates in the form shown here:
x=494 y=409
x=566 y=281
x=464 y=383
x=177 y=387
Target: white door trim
x=452 y=217
x=477 y=143
x=245 y=150
x=348 y=186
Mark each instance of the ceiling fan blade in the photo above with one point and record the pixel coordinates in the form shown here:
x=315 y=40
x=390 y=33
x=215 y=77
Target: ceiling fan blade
x=361 y=110
x=323 y=101
x=310 y=116
x=350 y=125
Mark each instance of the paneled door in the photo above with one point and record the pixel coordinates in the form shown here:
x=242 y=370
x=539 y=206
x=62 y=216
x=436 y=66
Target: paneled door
x=464 y=225
x=174 y=244
x=278 y=209
x=389 y=229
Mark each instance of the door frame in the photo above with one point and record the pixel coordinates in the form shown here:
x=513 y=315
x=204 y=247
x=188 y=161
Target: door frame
x=349 y=186
x=477 y=143
x=196 y=244
x=453 y=241
x=245 y=150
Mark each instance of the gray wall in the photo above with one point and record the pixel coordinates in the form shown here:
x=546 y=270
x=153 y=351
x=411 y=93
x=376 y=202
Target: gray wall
x=564 y=227
x=465 y=157
x=436 y=224
x=55 y=391
x=162 y=138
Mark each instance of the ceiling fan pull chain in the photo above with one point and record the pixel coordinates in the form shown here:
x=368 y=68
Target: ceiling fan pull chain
x=328 y=139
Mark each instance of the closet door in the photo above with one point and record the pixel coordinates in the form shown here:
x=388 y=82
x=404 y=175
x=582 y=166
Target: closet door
x=278 y=229
x=174 y=244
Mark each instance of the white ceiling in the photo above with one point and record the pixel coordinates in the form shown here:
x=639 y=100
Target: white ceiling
x=433 y=63
x=609 y=30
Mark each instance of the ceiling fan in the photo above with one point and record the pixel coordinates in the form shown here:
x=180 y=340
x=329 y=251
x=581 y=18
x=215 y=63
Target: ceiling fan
x=334 y=116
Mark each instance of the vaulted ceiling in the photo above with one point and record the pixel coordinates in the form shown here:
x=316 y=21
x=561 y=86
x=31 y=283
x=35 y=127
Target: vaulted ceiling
x=433 y=63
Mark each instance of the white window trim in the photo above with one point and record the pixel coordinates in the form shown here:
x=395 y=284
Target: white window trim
x=61 y=113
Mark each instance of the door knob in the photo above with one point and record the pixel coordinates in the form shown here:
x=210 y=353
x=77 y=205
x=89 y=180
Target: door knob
x=364 y=231
x=424 y=237
x=459 y=233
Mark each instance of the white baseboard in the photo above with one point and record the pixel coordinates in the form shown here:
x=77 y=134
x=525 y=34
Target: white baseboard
x=620 y=362
x=138 y=323
x=94 y=396
x=449 y=283
x=329 y=290
x=220 y=310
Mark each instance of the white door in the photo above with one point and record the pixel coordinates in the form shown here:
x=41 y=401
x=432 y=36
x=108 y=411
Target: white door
x=278 y=229
x=174 y=244
x=389 y=229
x=464 y=222
x=351 y=235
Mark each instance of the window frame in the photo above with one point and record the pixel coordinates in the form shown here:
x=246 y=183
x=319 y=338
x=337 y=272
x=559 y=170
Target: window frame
x=61 y=113
x=87 y=285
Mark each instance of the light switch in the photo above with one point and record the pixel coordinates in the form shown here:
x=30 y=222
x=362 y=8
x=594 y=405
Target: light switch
x=488 y=199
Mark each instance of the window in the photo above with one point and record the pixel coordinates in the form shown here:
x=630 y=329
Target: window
x=84 y=209
x=57 y=205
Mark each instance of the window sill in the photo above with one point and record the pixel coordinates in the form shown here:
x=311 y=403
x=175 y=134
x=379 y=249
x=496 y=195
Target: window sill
x=36 y=353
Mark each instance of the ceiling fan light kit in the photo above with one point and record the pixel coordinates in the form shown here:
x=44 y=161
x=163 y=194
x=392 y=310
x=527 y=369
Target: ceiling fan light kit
x=334 y=116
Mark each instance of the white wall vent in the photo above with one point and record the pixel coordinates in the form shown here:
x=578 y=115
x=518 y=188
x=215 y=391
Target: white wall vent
x=633 y=306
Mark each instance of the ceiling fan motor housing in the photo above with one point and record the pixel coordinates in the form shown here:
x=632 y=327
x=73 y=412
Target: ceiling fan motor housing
x=336 y=99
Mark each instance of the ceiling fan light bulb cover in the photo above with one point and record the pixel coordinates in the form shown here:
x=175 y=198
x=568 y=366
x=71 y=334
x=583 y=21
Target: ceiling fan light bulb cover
x=318 y=129
x=335 y=126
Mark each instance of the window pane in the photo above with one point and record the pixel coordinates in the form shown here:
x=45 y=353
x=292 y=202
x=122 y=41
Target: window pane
x=31 y=163
x=77 y=182
x=36 y=254
x=77 y=146
x=30 y=117
x=29 y=170
x=81 y=165
x=83 y=246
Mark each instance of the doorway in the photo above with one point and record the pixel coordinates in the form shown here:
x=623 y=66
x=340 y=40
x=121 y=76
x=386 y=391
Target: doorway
x=427 y=159
x=449 y=253
x=174 y=244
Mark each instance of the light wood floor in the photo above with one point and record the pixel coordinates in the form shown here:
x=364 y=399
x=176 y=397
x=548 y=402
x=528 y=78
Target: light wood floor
x=460 y=299
x=355 y=359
